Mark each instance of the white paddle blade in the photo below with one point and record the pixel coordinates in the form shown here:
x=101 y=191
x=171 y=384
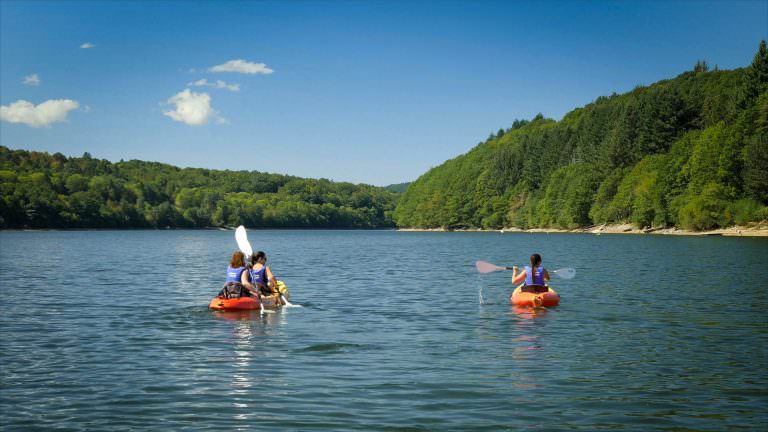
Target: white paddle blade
x=486 y=267
x=566 y=273
x=242 y=241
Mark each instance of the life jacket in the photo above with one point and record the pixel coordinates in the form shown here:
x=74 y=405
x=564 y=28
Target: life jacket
x=534 y=279
x=234 y=274
x=258 y=276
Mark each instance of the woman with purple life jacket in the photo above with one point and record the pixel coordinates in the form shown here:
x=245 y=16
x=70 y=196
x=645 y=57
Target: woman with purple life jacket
x=535 y=276
x=261 y=276
x=237 y=283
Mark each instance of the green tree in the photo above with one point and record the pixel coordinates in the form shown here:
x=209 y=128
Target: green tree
x=756 y=79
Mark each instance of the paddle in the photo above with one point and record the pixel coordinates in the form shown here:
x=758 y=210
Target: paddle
x=245 y=247
x=242 y=241
x=486 y=267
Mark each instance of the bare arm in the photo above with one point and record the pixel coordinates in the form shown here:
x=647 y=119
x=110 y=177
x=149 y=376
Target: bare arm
x=273 y=285
x=517 y=277
x=271 y=279
x=546 y=275
x=245 y=280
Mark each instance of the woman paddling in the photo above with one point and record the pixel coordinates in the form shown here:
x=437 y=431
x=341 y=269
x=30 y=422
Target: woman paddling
x=237 y=284
x=534 y=290
x=535 y=276
x=261 y=276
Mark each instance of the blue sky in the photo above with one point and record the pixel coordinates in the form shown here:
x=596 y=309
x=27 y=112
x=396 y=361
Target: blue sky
x=367 y=91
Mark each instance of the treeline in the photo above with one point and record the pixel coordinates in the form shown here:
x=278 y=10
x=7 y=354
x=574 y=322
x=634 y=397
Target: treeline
x=397 y=188
x=689 y=152
x=40 y=190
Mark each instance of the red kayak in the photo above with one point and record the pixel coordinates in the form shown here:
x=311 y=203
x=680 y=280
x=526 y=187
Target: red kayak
x=244 y=303
x=534 y=297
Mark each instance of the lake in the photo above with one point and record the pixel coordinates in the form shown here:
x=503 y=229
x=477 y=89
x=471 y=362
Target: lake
x=110 y=330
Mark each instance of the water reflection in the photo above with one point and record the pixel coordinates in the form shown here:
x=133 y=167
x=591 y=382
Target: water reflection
x=529 y=313
x=526 y=348
x=242 y=381
x=643 y=355
x=251 y=333
x=268 y=317
x=527 y=339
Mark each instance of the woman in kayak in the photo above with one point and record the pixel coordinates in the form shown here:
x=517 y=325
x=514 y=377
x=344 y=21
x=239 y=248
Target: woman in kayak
x=237 y=284
x=261 y=276
x=535 y=276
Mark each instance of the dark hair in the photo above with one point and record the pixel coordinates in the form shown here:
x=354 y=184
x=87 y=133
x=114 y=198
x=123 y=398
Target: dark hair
x=535 y=260
x=255 y=257
x=238 y=260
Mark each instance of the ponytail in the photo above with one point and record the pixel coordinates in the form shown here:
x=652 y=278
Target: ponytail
x=535 y=260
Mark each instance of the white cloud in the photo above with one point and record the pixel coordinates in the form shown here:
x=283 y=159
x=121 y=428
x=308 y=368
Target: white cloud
x=218 y=84
x=192 y=108
x=242 y=66
x=32 y=80
x=87 y=45
x=50 y=111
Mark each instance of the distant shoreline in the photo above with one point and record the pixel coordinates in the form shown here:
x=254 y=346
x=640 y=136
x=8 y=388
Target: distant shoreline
x=197 y=229
x=760 y=230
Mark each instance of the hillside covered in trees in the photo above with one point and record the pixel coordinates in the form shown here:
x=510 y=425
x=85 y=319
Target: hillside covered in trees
x=40 y=190
x=690 y=152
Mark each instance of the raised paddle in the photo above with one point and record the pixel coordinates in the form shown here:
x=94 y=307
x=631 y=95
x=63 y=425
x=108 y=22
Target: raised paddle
x=242 y=241
x=241 y=237
x=486 y=267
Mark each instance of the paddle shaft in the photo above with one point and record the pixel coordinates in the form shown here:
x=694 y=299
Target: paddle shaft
x=486 y=267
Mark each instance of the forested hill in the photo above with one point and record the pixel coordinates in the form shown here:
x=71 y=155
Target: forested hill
x=40 y=190
x=690 y=152
x=398 y=188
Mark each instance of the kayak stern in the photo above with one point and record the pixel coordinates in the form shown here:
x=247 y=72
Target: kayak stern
x=528 y=299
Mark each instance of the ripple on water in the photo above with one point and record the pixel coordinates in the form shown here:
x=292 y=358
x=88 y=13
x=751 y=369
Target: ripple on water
x=391 y=335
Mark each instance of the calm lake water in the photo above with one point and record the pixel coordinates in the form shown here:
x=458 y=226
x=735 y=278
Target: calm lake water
x=110 y=330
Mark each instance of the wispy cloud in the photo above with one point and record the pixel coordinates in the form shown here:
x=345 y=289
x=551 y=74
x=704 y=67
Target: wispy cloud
x=87 y=45
x=32 y=80
x=192 y=108
x=242 y=66
x=219 y=84
x=42 y=115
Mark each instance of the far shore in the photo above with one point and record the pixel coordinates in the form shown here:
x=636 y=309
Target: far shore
x=758 y=230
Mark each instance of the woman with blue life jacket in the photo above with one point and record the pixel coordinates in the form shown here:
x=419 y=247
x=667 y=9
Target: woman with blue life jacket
x=535 y=276
x=261 y=276
x=237 y=284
